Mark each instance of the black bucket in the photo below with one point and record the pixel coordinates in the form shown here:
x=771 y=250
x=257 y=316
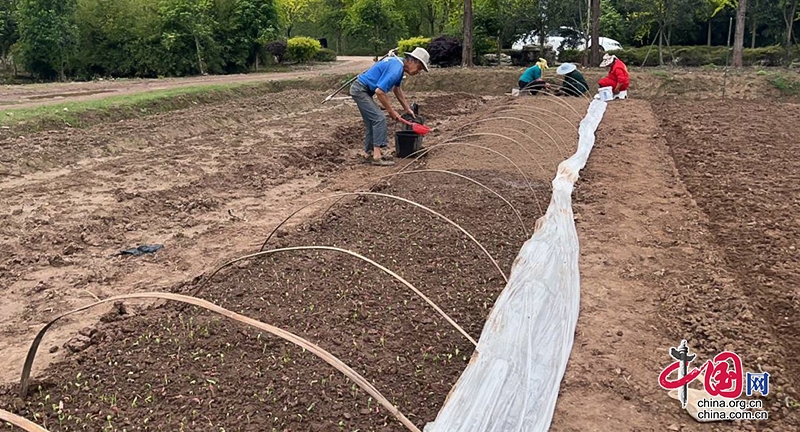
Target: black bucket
x=406 y=143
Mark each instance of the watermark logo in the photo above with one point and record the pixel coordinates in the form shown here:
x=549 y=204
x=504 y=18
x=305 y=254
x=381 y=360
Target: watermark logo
x=723 y=379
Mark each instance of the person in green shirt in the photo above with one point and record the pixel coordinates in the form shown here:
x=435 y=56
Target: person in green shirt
x=531 y=80
x=574 y=83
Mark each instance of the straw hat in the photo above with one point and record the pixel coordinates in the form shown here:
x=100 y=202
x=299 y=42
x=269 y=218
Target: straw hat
x=542 y=63
x=565 y=68
x=607 y=60
x=422 y=55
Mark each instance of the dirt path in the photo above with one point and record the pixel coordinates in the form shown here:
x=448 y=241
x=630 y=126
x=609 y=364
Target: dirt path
x=652 y=273
x=26 y=96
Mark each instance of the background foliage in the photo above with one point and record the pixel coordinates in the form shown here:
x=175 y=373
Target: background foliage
x=83 y=39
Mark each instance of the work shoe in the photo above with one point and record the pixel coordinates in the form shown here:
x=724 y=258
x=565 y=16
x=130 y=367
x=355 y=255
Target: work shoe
x=621 y=95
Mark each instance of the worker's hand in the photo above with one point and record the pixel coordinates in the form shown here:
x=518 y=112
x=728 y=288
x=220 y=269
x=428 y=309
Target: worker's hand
x=395 y=115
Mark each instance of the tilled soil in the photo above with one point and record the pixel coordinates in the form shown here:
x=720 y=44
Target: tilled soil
x=740 y=168
x=658 y=264
x=170 y=368
x=199 y=181
x=195 y=371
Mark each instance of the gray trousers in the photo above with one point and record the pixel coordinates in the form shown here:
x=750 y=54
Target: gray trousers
x=374 y=119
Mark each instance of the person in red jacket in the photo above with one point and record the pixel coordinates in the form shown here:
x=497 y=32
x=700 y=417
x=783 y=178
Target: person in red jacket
x=618 y=78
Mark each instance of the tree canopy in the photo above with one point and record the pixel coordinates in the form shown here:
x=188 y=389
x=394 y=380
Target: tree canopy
x=53 y=39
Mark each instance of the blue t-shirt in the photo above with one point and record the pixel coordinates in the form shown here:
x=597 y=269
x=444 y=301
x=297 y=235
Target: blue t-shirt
x=384 y=75
x=531 y=74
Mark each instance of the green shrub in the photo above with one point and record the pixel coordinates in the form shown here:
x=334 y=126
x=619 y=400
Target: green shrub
x=530 y=55
x=485 y=45
x=787 y=86
x=302 y=49
x=277 y=49
x=570 y=56
x=325 y=55
x=767 y=56
x=408 y=45
x=445 y=51
x=696 y=56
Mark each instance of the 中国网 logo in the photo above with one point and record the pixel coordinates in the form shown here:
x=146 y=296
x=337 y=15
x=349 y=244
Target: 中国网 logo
x=724 y=381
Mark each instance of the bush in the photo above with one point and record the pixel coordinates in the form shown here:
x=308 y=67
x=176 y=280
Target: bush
x=571 y=56
x=445 y=51
x=277 y=49
x=692 y=56
x=408 y=45
x=325 y=55
x=530 y=55
x=485 y=45
x=302 y=49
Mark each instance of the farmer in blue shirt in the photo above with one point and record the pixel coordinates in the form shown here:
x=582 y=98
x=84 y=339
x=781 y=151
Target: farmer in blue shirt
x=531 y=80
x=382 y=78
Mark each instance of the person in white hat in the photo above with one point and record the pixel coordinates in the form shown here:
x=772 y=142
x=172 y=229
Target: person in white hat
x=574 y=83
x=618 y=78
x=531 y=80
x=384 y=77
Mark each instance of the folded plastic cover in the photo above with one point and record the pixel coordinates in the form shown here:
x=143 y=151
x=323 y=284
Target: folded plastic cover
x=512 y=381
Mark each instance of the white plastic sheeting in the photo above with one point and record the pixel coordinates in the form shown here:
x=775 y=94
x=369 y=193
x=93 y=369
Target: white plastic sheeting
x=512 y=381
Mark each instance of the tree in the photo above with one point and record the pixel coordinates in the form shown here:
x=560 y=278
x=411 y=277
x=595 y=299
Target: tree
x=333 y=17
x=8 y=27
x=790 y=15
x=295 y=11
x=738 y=39
x=466 y=54
x=376 y=21
x=243 y=29
x=611 y=22
x=47 y=36
x=595 y=55
x=710 y=8
x=188 y=26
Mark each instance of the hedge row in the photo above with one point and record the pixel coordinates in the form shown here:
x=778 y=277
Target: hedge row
x=696 y=56
x=300 y=49
x=408 y=45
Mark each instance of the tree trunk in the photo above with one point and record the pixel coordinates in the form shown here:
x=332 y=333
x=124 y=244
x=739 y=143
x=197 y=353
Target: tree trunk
x=753 y=29
x=595 y=56
x=499 y=47
x=199 y=57
x=466 y=53
x=789 y=19
x=738 y=38
x=709 y=32
x=257 y=62
x=660 y=45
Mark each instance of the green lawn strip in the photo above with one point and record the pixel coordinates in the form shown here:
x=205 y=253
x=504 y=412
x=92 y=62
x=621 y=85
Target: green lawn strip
x=114 y=108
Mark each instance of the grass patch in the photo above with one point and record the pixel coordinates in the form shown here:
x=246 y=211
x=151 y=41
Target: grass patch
x=786 y=85
x=79 y=114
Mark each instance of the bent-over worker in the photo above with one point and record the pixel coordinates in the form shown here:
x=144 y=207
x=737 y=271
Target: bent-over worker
x=574 y=83
x=383 y=77
x=531 y=80
x=618 y=78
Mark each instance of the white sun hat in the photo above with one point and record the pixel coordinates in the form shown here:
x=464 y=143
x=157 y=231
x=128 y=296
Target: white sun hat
x=422 y=55
x=566 y=68
x=607 y=60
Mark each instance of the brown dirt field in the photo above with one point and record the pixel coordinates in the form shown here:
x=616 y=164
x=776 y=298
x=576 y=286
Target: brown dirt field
x=186 y=170
x=685 y=233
